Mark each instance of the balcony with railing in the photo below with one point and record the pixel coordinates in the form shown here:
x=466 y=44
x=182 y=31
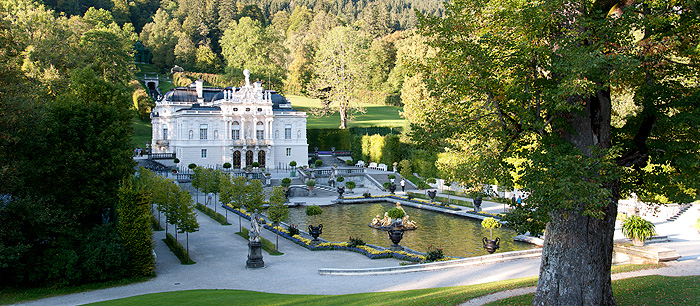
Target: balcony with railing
x=250 y=142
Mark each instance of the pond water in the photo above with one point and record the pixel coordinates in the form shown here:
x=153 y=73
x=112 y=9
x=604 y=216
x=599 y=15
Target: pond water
x=457 y=236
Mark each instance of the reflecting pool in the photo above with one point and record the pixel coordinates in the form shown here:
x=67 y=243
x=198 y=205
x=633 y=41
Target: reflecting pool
x=457 y=236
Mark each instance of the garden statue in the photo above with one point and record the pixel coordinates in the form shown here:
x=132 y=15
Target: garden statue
x=255 y=258
x=255 y=227
x=388 y=223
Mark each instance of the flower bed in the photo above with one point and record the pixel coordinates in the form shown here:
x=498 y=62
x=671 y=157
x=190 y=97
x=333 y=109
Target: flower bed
x=366 y=250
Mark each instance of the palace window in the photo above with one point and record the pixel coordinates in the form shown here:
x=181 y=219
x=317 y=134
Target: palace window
x=204 y=153
x=203 y=131
x=235 y=131
x=165 y=133
x=289 y=151
x=288 y=131
x=260 y=131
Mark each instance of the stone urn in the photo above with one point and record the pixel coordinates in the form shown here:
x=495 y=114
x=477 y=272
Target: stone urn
x=477 y=204
x=491 y=245
x=341 y=190
x=392 y=188
x=431 y=195
x=396 y=234
x=315 y=231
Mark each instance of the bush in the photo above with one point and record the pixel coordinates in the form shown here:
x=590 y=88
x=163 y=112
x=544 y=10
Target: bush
x=366 y=194
x=386 y=185
x=155 y=225
x=311 y=182
x=396 y=213
x=434 y=254
x=176 y=160
x=212 y=214
x=227 y=165
x=349 y=162
x=286 y=182
x=313 y=210
x=354 y=242
x=340 y=179
x=177 y=249
x=350 y=185
x=293 y=230
x=318 y=163
x=255 y=164
x=636 y=228
x=405 y=168
x=192 y=166
x=391 y=177
x=292 y=164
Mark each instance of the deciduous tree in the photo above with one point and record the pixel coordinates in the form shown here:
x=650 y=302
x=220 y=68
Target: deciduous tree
x=526 y=88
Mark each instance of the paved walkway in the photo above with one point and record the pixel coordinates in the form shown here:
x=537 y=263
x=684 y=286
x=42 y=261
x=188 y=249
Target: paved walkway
x=221 y=257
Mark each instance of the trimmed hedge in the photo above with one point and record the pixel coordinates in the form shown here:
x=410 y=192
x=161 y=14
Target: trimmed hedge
x=443 y=199
x=211 y=213
x=267 y=245
x=155 y=224
x=177 y=249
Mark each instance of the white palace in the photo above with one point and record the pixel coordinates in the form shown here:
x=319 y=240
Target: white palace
x=212 y=126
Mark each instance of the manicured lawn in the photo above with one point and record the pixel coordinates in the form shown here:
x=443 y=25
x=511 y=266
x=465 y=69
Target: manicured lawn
x=643 y=290
x=434 y=296
x=376 y=115
x=142 y=132
x=17 y=295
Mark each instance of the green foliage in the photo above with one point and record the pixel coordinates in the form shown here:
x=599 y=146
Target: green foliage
x=212 y=214
x=313 y=210
x=339 y=71
x=260 y=51
x=340 y=179
x=318 y=163
x=143 y=104
x=278 y=210
x=434 y=254
x=391 y=177
x=405 y=168
x=350 y=185
x=255 y=196
x=490 y=223
x=286 y=182
x=191 y=166
x=386 y=185
x=177 y=249
x=355 y=241
x=636 y=228
x=227 y=165
x=349 y=162
x=396 y=213
x=325 y=139
x=310 y=183
x=134 y=228
x=292 y=164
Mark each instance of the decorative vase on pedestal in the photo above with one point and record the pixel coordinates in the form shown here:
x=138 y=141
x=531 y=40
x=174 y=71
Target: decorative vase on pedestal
x=315 y=231
x=396 y=235
x=491 y=245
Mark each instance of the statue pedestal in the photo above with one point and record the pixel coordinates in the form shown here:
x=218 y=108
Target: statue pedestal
x=255 y=258
x=396 y=248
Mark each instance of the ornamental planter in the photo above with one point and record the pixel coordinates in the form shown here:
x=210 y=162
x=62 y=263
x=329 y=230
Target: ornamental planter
x=315 y=231
x=396 y=235
x=491 y=245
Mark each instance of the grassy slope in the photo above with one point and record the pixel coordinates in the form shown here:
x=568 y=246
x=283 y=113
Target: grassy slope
x=142 y=132
x=376 y=115
x=433 y=296
x=644 y=290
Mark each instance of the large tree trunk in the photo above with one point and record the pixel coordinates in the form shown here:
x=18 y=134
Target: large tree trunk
x=576 y=259
x=577 y=251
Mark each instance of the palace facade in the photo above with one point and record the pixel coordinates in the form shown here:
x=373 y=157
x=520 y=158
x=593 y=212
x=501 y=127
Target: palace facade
x=212 y=126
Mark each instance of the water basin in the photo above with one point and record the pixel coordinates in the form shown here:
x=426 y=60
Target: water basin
x=457 y=236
